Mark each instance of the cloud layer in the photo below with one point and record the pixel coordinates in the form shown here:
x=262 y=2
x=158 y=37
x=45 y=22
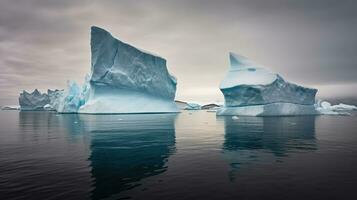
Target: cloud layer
x=43 y=43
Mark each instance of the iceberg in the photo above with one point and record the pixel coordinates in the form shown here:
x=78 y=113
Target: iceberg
x=125 y=79
x=325 y=108
x=33 y=101
x=252 y=90
x=10 y=107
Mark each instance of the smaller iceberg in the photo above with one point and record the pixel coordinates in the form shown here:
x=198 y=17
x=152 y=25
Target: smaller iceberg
x=252 y=90
x=10 y=107
x=33 y=101
x=326 y=108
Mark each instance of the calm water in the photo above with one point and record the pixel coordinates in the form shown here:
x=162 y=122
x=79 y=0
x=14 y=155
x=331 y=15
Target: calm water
x=192 y=155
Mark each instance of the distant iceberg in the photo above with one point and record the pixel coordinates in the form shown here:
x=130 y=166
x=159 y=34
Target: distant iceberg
x=33 y=101
x=10 y=107
x=252 y=90
x=325 y=108
x=125 y=79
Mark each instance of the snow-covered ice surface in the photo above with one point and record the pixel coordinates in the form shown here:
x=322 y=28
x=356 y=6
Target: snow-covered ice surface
x=244 y=72
x=125 y=79
x=252 y=90
x=33 y=101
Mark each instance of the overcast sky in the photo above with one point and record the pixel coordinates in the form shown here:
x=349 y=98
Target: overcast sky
x=43 y=43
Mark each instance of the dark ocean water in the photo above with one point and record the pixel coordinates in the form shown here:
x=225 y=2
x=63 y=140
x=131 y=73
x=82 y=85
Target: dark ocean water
x=191 y=155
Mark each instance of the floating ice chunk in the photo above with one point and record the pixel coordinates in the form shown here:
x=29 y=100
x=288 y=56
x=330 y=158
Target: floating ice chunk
x=343 y=107
x=11 y=107
x=210 y=106
x=193 y=106
x=48 y=107
x=325 y=108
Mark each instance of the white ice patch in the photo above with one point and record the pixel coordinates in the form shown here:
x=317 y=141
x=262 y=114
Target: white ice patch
x=244 y=72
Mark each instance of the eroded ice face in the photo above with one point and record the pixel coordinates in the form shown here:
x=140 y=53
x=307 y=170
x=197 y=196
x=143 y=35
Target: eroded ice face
x=121 y=66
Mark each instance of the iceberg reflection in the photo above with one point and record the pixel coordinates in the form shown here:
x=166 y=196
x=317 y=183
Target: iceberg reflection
x=128 y=148
x=253 y=139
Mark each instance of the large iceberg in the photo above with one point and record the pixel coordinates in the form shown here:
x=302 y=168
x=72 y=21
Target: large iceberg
x=252 y=90
x=125 y=79
x=33 y=101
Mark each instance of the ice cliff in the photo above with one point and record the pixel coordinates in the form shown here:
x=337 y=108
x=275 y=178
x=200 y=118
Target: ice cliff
x=125 y=79
x=252 y=90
